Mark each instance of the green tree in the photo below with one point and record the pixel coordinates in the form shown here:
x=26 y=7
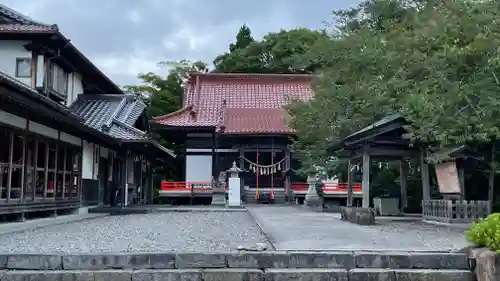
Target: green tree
x=164 y=95
x=435 y=62
x=278 y=52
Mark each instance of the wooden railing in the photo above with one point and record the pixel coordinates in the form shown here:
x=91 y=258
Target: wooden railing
x=168 y=186
x=454 y=211
x=327 y=187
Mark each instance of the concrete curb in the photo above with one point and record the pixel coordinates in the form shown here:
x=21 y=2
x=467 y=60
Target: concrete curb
x=15 y=227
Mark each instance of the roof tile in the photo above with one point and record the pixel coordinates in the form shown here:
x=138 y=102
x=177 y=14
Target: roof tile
x=208 y=96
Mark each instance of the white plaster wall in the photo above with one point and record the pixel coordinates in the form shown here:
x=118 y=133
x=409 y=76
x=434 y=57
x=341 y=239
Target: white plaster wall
x=87 y=161
x=75 y=87
x=199 y=168
x=9 y=51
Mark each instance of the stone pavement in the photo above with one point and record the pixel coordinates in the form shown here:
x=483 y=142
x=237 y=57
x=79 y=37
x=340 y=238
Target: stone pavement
x=295 y=228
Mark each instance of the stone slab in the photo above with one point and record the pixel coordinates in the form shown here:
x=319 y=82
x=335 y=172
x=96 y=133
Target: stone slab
x=38 y=275
x=439 y=261
x=200 y=260
x=306 y=274
x=167 y=275
x=3 y=261
x=119 y=261
x=433 y=274
x=232 y=274
x=34 y=261
x=372 y=274
x=321 y=260
x=114 y=275
x=382 y=260
x=258 y=260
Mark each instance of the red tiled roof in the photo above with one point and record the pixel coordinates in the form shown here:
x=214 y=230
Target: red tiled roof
x=231 y=100
x=255 y=120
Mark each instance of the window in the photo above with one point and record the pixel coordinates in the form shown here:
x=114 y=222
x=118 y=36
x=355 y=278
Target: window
x=57 y=79
x=23 y=67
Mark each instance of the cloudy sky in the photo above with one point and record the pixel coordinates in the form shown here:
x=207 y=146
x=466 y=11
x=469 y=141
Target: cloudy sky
x=125 y=37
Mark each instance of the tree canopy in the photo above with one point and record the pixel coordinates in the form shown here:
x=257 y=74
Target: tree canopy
x=164 y=94
x=434 y=62
x=277 y=52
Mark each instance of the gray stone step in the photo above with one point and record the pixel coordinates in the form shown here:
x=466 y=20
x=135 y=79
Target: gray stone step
x=279 y=195
x=237 y=274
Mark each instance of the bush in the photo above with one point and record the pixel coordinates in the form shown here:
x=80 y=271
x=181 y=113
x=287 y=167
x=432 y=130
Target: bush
x=486 y=233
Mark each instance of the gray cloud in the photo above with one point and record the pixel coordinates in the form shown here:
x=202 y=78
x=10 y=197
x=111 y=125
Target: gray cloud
x=125 y=37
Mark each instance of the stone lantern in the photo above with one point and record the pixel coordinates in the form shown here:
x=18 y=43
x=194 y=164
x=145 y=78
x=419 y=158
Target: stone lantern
x=234 y=196
x=313 y=199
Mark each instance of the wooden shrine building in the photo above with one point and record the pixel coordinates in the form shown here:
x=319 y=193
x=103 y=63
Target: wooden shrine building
x=384 y=141
x=237 y=117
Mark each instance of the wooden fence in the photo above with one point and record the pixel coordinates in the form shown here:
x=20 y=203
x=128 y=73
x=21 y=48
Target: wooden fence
x=454 y=211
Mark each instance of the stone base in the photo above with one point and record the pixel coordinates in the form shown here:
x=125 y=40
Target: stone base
x=357 y=215
x=487 y=263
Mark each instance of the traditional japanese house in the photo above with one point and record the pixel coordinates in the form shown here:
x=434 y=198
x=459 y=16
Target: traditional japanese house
x=69 y=137
x=238 y=117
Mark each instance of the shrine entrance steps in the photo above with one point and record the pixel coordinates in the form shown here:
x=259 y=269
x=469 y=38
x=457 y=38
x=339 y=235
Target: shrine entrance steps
x=258 y=266
x=279 y=195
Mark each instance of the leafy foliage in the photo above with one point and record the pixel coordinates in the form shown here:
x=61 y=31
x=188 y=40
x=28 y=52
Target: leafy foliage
x=435 y=62
x=278 y=52
x=486 y=232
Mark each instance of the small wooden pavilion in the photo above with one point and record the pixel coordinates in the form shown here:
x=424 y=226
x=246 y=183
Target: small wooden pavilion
x=384 y=140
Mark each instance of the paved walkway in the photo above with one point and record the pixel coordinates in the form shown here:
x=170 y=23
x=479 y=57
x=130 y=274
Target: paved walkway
x=296 y=228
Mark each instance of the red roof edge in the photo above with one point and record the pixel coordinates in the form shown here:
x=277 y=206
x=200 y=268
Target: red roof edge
x=194 y=75
x=172 y=114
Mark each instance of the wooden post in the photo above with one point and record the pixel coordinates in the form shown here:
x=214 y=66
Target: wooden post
x=46 y=173
x=366 y=178
x=349 y=184
x=9 y=169
x=491 y=180
x=424 y=169
x=461 y=180
x=403 y=184
x=125 y=177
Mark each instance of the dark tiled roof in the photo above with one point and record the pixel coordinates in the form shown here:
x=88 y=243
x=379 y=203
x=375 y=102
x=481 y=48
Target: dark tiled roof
x=17 y=22
x=208 y=95
x=7 y=79
x=111 y=114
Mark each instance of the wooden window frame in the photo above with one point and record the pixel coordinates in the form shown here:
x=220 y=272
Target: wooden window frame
x=18 y=61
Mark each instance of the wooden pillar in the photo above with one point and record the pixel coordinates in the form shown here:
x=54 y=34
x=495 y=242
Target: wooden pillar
x=125 y=178
x=424 y=169
x=461 y=179
x=287 y=167
x=214 y=156
x=9 y=169
x=366 y=178
x=403 y=175
x=349 y=184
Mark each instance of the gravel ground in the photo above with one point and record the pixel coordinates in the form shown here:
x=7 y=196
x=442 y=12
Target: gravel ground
x=157 y=232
